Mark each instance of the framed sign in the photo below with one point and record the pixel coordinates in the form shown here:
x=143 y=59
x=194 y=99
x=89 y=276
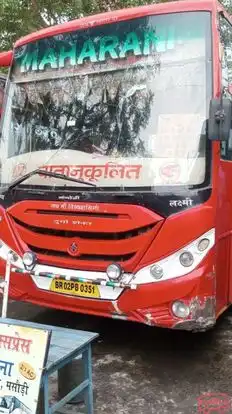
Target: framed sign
x=23 y=354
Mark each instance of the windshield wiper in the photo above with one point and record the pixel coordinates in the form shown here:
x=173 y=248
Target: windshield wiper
x=49 y=174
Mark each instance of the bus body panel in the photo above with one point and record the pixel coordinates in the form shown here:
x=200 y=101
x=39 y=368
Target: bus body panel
x=149 y=304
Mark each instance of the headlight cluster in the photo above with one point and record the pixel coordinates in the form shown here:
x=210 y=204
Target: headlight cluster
x=179 y=263
x=28 y=261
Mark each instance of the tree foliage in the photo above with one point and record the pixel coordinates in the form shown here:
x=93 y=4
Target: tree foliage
x=20 y=17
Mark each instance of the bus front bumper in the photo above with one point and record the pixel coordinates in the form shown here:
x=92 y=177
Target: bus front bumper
x=151 y=303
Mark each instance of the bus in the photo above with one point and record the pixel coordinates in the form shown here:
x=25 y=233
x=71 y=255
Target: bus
x=116 y=161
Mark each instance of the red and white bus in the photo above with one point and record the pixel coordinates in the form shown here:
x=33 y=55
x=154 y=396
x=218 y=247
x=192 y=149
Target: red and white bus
x=116 y=162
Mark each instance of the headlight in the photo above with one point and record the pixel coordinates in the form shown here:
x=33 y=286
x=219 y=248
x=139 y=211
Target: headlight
x=203 y=244
x=179 y=263
x=186 y=259
x=114 y=271
x=29 y=259
x=157 y=272
x=6 y=253
x=180 y=309
x=13 y=256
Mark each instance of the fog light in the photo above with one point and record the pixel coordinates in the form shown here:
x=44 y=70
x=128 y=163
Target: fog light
x=186 y=259
x=29 y=259
x=203 y=244
x=12 y=256
x=156 y=272
x=180 y=309
x=114 y=271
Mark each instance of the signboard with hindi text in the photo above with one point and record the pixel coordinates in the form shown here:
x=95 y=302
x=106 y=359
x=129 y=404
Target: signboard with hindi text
x=23 y=353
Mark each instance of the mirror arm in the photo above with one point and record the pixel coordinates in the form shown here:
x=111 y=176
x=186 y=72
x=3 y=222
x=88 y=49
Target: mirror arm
x=230 y=141
x=220 y=116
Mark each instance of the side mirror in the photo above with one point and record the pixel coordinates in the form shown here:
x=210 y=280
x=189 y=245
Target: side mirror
x=6 y=58
x=220 y=119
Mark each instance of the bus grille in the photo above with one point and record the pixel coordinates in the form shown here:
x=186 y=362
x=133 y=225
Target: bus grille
x=116 y=233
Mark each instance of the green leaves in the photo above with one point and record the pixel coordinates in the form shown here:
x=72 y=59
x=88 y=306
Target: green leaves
x=20 y=17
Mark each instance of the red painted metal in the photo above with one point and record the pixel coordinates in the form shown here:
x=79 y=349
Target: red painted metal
x=138 y=225
x=148 y=237
x=6 y=58
x=107 y=217
x=137 y=305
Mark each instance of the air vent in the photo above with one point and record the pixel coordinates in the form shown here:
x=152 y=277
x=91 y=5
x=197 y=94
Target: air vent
x=86 y=235
x=91 y=257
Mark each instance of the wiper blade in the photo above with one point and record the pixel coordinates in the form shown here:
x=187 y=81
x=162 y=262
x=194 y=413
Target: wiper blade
x=48 y=174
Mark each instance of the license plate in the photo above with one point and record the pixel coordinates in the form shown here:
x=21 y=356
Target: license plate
x=75 y=288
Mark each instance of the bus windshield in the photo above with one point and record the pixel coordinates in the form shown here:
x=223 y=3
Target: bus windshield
x=120 y=105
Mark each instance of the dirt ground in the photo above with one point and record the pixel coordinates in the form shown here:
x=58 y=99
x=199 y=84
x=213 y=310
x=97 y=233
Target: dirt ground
x=141 y=370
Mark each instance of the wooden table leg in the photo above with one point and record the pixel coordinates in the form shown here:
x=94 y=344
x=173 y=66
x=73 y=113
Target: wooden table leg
x=46 y=394
x=88 y=375
x=40 y=406
x=69 y=377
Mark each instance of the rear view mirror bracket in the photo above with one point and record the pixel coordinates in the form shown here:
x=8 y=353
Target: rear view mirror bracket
x=220 y=119
x=230 y=141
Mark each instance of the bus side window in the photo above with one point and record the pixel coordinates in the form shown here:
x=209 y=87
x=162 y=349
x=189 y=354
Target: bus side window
x=226 y=64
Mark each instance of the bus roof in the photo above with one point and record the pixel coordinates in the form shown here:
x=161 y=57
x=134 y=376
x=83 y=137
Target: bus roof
x=120 y=15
